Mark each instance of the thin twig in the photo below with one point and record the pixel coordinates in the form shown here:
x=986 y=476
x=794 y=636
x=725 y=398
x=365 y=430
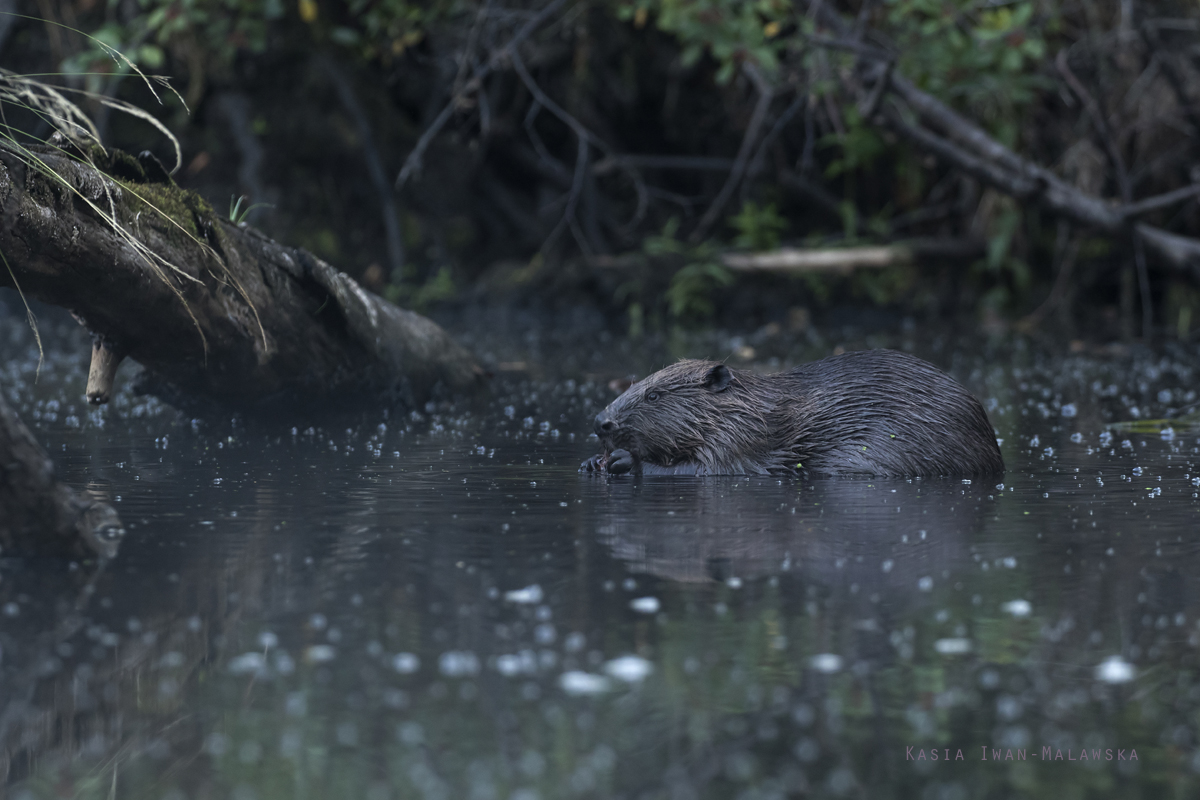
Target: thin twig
x=1175 y=77
x=699 y=163
x=370 y=153
x=582 y=134
x=806 y=163
x=1132 y=210
x=870 y=106
x=1092 y=108
x=765 y=95
x=756 y=163
x=412 y=164
x=1061 y=280
x=987 y=171
x=585 y=137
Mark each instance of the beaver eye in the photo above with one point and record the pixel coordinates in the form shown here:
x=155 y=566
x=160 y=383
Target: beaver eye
x=652 y=396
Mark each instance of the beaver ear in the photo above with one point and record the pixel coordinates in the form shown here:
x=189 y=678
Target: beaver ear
x=718 y=378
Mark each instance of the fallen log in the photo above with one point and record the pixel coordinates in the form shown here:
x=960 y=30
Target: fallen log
x=844 y=260
x=39 y=515
x=213 y=309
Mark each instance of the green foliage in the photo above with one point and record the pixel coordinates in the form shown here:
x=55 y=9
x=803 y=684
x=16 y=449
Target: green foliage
x=758 y=228
x=731 y=31
x=689 y=295
x=861 y=145
x=984 y=60
x=221 y=27
x=389 y=27
x=436 y=288
x=1011 y=273
x=237 y=214
x=1182 y=303
x=884 y=286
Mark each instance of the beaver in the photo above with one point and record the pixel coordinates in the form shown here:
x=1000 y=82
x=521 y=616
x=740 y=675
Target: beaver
x=871 y=412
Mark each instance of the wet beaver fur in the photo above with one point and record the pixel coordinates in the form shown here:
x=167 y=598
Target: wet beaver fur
x=874 y=412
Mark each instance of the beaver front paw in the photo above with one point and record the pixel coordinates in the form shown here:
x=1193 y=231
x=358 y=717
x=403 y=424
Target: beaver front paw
x=593 y=464
x=620 y=462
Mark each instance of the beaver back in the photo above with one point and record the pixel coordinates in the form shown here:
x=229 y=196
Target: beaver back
x=877 y=412
x=883 y=412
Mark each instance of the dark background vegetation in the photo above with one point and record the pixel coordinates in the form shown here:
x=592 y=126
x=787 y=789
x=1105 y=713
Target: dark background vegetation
x=597 y=160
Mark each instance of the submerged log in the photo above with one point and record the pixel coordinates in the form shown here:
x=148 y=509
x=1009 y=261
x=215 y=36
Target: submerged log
x=214 y=309
x=39 y=515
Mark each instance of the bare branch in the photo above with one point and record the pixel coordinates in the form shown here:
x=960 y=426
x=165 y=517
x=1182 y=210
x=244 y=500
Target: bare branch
x=1160 y=201
x=700 y=163
x=1061 y=281
x=1017 y=185
x=1180 y=252
x=412 y=164
x=583 y=135
x=765 y=95
x=374 y=164
x=1172 y=70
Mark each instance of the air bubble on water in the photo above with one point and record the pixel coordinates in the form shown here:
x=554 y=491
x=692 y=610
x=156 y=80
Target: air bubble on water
x=216 y=744
x=319 y=654
x=247 y=663
x=630 y=669
x=645 y=605
x=1115 y=669
x=405 y=663
x=1018 y=608
x=827 y=663
x=955 y=646
x=577 y=682
x=528 y=596
x=458 y=663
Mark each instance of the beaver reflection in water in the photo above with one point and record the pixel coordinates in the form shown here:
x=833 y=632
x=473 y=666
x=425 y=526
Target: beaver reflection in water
x=875 y=412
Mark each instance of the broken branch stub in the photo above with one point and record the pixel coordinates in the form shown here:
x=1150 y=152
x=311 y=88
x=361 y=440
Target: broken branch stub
x=102 y=372
x=215 y=310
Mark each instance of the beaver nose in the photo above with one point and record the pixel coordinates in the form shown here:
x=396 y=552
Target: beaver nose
x=604 y=424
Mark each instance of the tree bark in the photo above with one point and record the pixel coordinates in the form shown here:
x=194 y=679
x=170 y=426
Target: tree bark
x=39 y=515
x=216 y=310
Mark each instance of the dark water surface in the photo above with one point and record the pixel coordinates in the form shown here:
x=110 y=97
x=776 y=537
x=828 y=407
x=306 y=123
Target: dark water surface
x=439 y=606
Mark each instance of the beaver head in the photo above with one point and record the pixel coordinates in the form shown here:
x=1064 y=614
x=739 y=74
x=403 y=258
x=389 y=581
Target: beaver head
x=690 y=412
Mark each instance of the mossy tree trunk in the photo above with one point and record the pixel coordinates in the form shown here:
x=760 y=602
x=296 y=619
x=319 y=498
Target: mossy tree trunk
x=215 y=310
